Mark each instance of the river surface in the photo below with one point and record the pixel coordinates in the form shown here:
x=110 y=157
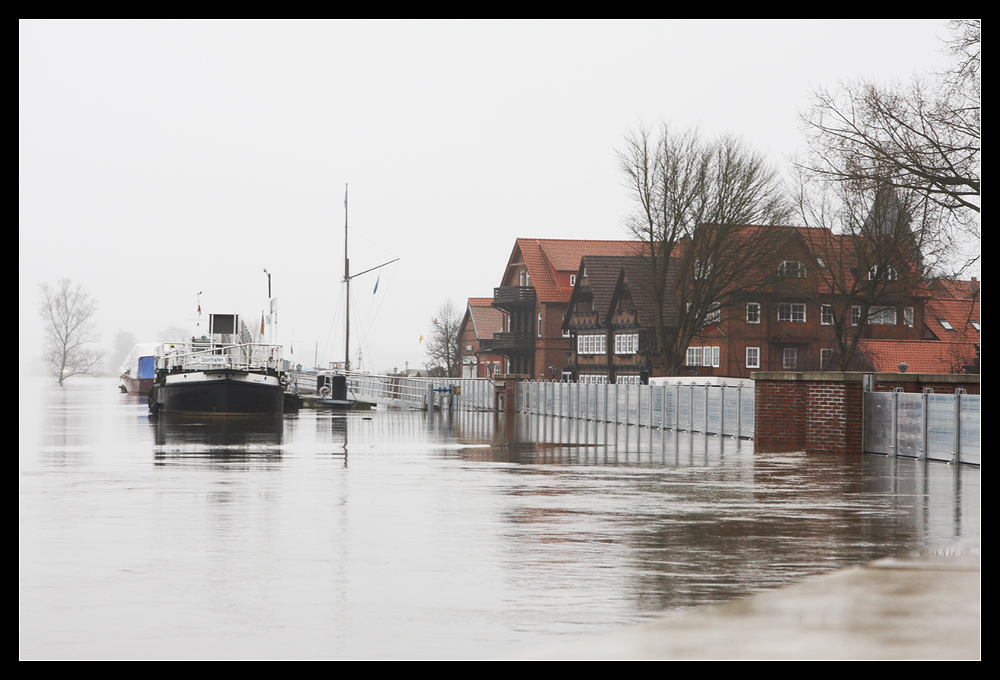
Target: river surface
x=393 y=535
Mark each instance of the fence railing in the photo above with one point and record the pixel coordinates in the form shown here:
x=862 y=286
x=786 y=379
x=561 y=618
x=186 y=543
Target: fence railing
x=473 y=394
x=925 y=426
x=710 y=409
x=209 y=355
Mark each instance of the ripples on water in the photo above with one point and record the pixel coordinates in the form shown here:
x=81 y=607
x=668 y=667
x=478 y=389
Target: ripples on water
x=390 y=534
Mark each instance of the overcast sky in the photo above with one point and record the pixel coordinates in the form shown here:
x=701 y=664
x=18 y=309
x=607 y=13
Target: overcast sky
x=160 y=159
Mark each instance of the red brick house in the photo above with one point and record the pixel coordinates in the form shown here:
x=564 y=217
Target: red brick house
x=789 y=324
x=610 y=321
x=533 y=296
x=480 y=322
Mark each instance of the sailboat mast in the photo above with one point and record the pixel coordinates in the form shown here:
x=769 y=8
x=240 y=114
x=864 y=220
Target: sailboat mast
x=347 y=281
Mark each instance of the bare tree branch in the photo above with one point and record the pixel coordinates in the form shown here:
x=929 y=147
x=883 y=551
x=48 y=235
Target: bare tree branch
x=68 y=312
x=924 y=137
x=443 y=341
x=693 y=201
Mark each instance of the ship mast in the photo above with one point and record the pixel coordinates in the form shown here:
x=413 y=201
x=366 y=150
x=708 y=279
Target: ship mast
x=347 y=281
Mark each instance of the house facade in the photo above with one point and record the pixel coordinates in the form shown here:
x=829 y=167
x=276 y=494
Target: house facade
x=533 y=296
x=786 y=322
x=610 y=321
x=480 y=322
x=808 y=307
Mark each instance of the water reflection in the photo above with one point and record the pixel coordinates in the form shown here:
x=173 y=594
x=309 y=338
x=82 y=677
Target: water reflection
x=206 y=434
x=397 y=534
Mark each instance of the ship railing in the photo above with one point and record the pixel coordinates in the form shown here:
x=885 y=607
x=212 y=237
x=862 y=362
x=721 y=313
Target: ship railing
x=195 y=356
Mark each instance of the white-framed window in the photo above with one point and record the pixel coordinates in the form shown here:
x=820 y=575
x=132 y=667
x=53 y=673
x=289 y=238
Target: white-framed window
x=825 y=358
x=593 y=378
x=821 y=262
x=702 y=269
x=572 y=279
x=826 y=315
x=591 y=344
x=538 y=325
x=908 y=316
x=712 y=357
x=626 y=343
x=753 y=357
x=792 y=312
x=882 y=316
x=879 y=273
x=627 y=379
x=792 y=268
x=947 y=326
x=855 y=315
x=565 y=332
x=694 y=355
x=753 y=312
x=791 y=358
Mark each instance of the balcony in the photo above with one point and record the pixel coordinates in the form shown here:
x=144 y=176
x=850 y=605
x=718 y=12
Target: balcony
x=509 y=297
x=513 y=342
x=792 y=330
x=890 y=332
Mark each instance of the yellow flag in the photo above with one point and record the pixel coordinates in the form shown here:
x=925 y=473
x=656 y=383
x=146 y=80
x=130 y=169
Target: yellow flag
x=421 y=339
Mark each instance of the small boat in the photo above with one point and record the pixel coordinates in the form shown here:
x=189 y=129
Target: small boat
x=138 y=369
x=223 y=373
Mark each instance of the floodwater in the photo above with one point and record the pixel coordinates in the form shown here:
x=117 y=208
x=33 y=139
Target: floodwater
x=393 y=535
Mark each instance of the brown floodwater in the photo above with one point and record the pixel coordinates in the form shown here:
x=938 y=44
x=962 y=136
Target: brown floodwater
x=396 y=535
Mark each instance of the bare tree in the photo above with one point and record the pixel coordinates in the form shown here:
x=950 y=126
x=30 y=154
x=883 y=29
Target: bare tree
x=68 y=312
x=442 y=341
x=924 y=137
x=694 y=200
x=874 y=246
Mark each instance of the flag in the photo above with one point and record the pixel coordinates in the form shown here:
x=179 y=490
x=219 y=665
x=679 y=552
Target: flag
x=262 y=323
x=421 y=338
x=377 y=279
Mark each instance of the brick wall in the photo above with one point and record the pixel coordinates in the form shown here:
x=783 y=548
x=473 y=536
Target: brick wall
x=821 y=412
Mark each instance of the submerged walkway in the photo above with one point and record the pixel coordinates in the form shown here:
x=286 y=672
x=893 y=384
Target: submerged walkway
x=924 y=606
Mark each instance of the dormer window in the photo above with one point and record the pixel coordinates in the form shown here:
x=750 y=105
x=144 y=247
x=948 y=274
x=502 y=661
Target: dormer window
x=879 y=273
x=792 y=269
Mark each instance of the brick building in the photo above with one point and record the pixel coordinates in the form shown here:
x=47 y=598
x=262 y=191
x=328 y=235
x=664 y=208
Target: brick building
x=475 y=337
x=533 y=296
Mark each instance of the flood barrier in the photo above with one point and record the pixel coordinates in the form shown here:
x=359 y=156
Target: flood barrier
x=930 y=426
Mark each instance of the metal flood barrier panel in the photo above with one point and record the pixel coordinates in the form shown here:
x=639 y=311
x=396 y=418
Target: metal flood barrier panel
x=708 y=409
x=943 y=427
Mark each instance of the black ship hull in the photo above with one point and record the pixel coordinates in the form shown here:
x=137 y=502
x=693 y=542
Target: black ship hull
x=222 y=393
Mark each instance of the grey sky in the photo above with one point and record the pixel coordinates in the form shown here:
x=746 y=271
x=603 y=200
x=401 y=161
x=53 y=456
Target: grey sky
x=157 y=159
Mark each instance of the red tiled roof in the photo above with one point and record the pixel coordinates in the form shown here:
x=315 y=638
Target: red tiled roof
x=956 y=302
x=545 y=258
x=955 y=290
x=921 y=356
x=486 y=319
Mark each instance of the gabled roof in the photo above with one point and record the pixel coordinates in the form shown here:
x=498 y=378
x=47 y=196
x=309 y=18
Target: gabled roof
x=606 y=274
x=921 y=356
x=546 y=258
x=484 y=318
x=636 y=273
